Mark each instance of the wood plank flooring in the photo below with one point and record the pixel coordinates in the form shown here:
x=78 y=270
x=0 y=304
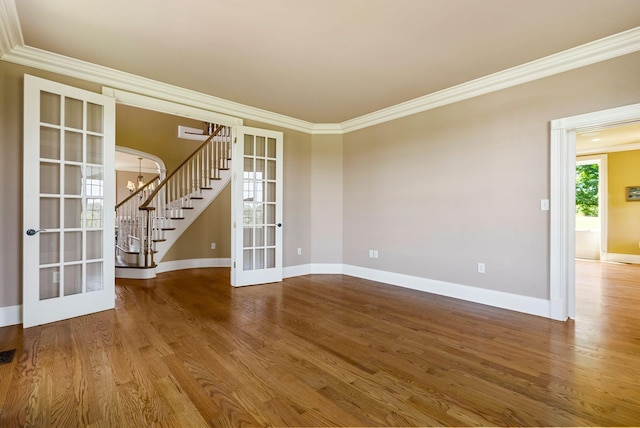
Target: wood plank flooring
x=186 y=349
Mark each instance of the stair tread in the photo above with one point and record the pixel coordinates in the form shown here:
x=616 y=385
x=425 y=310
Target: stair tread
x=121 y=264
x=215 y=178
x=197 y=197
x=206 y=188
x=159 y=240
x=168 y=228
x=177 y=218
x=187 y=208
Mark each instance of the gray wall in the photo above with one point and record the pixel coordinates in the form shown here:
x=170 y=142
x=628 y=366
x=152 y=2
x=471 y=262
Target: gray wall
x=440 y=191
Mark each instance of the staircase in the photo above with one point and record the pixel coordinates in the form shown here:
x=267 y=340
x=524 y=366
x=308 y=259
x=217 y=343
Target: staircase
x=150 y=220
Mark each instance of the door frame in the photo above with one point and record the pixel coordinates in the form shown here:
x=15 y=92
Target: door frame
x=563 y=200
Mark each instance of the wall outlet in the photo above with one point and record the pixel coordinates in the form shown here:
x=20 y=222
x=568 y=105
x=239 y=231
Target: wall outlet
x=56 y=277
x=299 y=251
x=544 y=204
x=213 y=245
x=480 y=267
x=373 y=254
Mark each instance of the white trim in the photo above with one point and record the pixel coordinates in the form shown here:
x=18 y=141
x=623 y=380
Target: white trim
x=10 y=32
x=609 y=149
x=562 y=213
x=135 y=273
x=590 y=53
x=170 y=107
x=10 y=315
x=499 y=299
x=162 y=169
x=12 y=49
x=192 y=264
x=622 y=258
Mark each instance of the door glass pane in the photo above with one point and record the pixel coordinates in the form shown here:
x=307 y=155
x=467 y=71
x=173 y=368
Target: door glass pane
x=259 y=236
x=72 y=180
x=49 y=143
x=271 y=148
x=271 y=192
x=94 y=183
x=247 y=237
x=271 y=258
x=271 y=213
x=247 y=213
x=73 y=113
x=248 y=145
x=72 y=279
x=94 y=277
x=94 y=213
x=248 y=164
x=49 y=108
x=271 y=236
x=72 y=213
x=49 y=282
x=73 y=146
x=49 y=248
x=94 y=118
x=72 y=247
x=49 y=178
x=94 y=245
x=94 y=150
x=49 y=213
x=259 y=259
x=271 y=170
x=260 y=146
x=247 y=257
x=260 y=170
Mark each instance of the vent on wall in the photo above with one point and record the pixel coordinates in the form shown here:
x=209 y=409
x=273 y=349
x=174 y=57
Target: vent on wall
x=188 y=133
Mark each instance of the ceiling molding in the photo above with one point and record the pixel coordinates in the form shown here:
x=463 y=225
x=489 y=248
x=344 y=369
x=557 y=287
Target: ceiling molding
x=10 y=32
x=600 y=50
x=12 y=49
x=609 y=149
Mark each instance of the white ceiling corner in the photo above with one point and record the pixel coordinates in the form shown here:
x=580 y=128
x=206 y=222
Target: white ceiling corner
x=10 y=34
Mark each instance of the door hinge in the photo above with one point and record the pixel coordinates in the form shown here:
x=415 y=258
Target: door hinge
x=234 y=265
x=234 y=224
x=235 y=140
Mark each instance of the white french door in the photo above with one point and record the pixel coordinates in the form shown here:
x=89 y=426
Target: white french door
x=69 y=197
x=256 y=189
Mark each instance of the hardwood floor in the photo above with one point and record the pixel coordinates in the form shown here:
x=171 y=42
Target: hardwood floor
x=185 y=349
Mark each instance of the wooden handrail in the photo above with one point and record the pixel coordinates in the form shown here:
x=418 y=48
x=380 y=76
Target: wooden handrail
x=138 y=191
x=145 y=205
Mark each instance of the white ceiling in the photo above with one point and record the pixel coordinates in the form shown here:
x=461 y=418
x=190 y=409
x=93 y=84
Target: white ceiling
x=323 y=61
x=619 y=138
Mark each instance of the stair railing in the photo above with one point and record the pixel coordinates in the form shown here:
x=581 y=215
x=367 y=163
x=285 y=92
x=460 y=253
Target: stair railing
x=178 y=190
x=128 y=218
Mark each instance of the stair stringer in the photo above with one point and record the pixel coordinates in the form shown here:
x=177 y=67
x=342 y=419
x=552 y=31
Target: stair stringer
x=190 y=215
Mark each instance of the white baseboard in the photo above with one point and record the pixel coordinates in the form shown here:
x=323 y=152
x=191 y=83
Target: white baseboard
x=192 y=264
x=499 y=299
x=10 y=315
x=622 y=258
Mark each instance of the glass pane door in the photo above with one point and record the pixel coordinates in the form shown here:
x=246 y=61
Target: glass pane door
x=257 y=195
x=68 y=146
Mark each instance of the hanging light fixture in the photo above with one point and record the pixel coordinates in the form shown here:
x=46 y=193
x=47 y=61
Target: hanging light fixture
x=140 y=177
x=131 y=185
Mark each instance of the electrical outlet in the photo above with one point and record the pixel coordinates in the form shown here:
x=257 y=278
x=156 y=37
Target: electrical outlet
x=299 y=251
x=480 y=267
x=213 y=245
x=375 y=254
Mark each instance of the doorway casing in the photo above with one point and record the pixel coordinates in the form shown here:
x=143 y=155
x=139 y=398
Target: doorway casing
x=563 y=200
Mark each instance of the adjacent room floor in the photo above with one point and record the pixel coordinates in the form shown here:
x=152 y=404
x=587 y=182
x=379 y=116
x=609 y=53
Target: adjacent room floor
x=185 y=349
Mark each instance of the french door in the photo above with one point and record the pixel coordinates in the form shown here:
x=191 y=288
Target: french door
x=256 y=206
x=69 y=197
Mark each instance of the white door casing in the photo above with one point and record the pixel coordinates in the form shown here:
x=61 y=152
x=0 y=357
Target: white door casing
x=256 y=206
x=68 y=202
x=563 y=200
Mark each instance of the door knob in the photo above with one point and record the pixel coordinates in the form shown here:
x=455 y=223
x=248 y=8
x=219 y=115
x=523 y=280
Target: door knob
x=279 y=224
x=32 y=232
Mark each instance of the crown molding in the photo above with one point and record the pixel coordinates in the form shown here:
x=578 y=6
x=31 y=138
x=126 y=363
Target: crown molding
x=10 y=32
x=12 y=49
x=590 y=53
